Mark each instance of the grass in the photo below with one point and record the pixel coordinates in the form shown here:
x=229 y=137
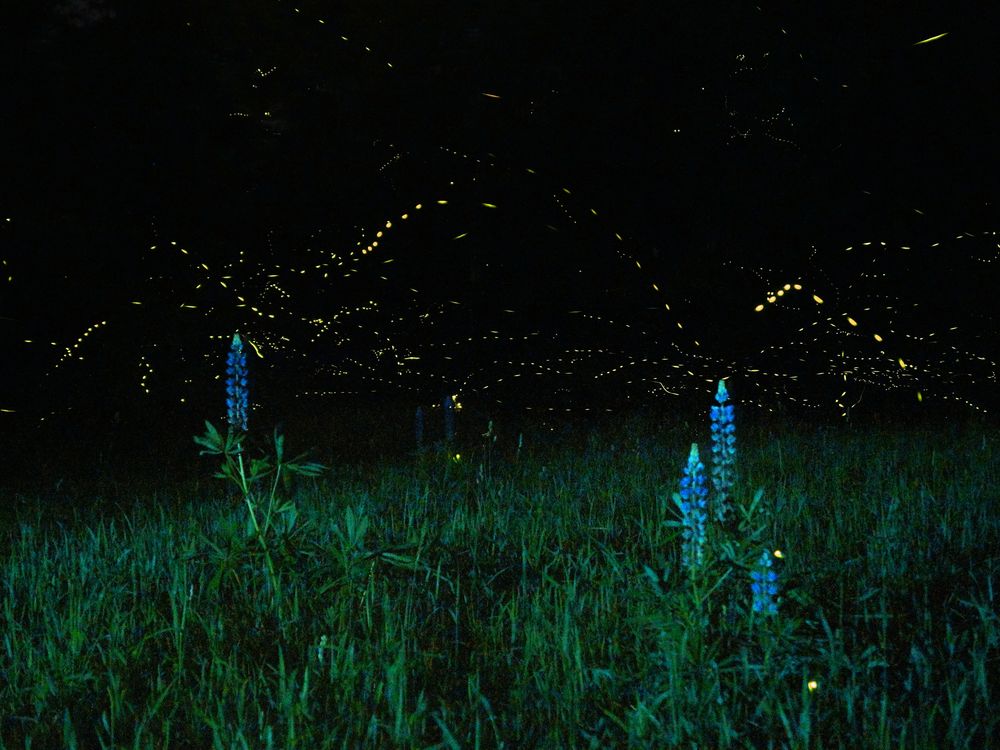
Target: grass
x=517 y=599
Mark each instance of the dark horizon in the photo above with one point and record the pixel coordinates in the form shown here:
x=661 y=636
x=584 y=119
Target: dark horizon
x=598 y=165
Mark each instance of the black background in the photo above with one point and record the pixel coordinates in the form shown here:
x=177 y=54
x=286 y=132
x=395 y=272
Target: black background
x=722 y=141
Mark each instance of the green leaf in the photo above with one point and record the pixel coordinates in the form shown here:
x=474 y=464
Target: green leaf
x=311 y=469
x=207 y=443
x=259 y=467
x=227 y=471
x=234 y=442
x=653 y=579
x=212 y=432
x=211 y=440
x=288 y=507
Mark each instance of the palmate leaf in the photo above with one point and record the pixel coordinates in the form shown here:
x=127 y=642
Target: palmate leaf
x=216 y=445
x=227 y=471
x=211 y=440
x=290 y=513
x=234 y=442
x=259 y=467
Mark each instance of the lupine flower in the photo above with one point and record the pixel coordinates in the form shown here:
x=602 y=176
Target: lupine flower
x=723 y=452
x=418 y=427
x=692 y=502
x=764 y=586
x=449 y=419
x=236 y=385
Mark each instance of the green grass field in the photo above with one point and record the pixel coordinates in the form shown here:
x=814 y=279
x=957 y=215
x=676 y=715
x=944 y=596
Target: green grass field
x=518 y=598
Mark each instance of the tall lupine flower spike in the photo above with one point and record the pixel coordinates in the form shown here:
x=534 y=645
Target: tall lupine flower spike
x=723 y=453
x=277 y=517
x=449 y=419
x=692 y=502
x=236 y=385
x=764 y=586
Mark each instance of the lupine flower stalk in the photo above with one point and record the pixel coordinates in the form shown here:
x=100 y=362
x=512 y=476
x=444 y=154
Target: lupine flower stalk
x=277 y=516
x=692 y=502
x=236 y=386
x=723 y=453
x=764 y=586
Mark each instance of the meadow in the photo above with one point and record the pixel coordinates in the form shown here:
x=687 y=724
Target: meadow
x=521 y=586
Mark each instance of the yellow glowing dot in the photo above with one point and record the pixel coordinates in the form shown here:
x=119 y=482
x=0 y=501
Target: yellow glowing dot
x=779 y=554
x=877 y=337
x=817 y=299
x=851 y=320
x=787 y=287
x=812 y=685
x=758 y=308
x=902 y=364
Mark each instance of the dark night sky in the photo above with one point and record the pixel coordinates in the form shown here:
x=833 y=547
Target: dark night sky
x=733 y=148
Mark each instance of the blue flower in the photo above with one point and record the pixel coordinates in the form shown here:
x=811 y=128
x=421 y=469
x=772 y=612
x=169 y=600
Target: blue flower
x=692 y=502
x=236 y=385
x=764 y=586
x=723 y=452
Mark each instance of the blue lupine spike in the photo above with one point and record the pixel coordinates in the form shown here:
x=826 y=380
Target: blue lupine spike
x=764 y=586
x=723 y=452
x=691 y=502
x=236 y=385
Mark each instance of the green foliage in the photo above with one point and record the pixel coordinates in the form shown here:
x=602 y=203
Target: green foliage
x=277 y=522
x=545 y=606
